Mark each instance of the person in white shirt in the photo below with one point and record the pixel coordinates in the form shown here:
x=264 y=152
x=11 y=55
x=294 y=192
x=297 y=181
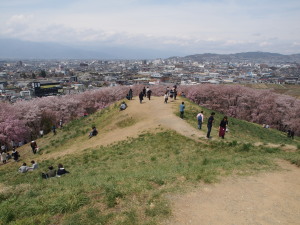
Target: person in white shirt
x=200 y=118
x=23 y=168
x=34 y=166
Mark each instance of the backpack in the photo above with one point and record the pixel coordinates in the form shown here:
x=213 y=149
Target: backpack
x=199 y=118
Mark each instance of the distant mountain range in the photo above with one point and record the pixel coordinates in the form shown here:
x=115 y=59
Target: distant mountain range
x=17 y=49
x=259 y=57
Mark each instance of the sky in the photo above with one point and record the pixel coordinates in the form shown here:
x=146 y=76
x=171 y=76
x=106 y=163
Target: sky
x=183 y=26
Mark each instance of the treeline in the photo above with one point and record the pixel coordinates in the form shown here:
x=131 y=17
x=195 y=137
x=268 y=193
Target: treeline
x=259 y=106
x=23 y=120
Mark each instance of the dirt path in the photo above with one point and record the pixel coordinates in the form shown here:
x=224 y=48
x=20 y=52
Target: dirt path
x=270 y=198
x=149 y=115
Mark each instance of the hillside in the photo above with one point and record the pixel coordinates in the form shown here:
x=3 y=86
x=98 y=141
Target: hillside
x=140 y=157
x=258 y=57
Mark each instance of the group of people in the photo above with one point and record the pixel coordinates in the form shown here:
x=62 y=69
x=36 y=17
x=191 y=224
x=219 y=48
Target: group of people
x=5 y=156
x=172 y=93
x=24 y=168
x=146 y=92
x=54 y=173
x=223 y=127
x=50 y=173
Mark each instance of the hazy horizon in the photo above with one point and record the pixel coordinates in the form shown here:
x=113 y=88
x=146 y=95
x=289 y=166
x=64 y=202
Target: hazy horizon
x=150 y=27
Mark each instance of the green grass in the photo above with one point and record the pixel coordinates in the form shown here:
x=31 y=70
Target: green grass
x=79 y=129
x=125 y=183
x=239 y=130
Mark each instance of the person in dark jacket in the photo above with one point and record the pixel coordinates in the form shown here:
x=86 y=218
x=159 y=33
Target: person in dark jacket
x=94 y=132
x=130 y=94
x=209 y=124
x=141 y=96
x=222 y=128
x=33 y=146
x=61 y=170
x=15 y=154
x=144 y=92
x=149 y=92
x=51 y=172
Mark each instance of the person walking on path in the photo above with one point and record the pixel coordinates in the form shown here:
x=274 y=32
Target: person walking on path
x=209 y=124
x=181 y=110
x=141 y=96
x=130 y=94
x=166 y=98
x=175 y=94
x=33 y=146
x=222 y=129
x=200 y=118
x=149 y=92
x=144 y=92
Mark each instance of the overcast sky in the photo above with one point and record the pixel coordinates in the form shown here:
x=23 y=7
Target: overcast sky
x=187 y=26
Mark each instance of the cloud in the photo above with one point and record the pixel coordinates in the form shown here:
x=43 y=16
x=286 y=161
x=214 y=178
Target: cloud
x=226 y=25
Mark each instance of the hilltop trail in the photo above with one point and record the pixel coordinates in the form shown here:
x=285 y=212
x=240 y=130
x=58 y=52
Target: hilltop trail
x=149 y=115
x=268 y=198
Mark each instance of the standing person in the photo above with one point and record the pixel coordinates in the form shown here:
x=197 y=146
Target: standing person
x=209 y=124
x=200 y=118
x=130 y=94
x=166 y=98
x=54 y=129
x=171 y=94
x=175 y=94
x=144 y=92
x=181 y=109
x=61 y=122
x=167 y=91
x=222 y=128
x=292 y=134
x=149 y=92
x=3 y=148
x=33 y=146
x=3 y=157
x=41 y=133
x=141 y=96
x=15 y=154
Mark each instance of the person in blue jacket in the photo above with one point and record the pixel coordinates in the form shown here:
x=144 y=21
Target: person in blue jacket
x=181 y=110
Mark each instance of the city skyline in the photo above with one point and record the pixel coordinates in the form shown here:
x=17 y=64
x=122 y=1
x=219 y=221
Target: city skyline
x=168 y=27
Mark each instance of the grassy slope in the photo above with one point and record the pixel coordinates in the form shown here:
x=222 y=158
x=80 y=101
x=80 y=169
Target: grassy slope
x=239 y=130
x=125 y=183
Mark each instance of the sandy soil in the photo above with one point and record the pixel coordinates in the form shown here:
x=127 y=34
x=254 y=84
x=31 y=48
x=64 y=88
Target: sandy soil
x=270 y=198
